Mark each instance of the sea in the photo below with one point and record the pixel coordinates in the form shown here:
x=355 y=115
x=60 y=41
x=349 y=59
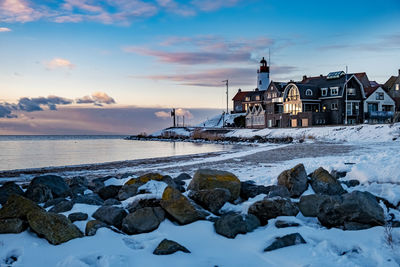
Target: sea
x=26 y=152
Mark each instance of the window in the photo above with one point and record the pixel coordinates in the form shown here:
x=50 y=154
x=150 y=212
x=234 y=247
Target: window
x=293 y=93
x=397 y=87
x=260 y=82
x=334 y=106
x=324 y=91
x=351 y=91
x=334 y=90
x=379 y=96
x=247 y=98
x=257 y=97
x=308 y=92
x=352 y=108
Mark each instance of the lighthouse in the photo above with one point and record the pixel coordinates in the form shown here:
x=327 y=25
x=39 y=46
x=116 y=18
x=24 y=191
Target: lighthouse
x=263 y=75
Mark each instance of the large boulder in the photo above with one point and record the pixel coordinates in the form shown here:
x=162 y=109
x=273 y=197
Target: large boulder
x=8 y=189
x=57 y=185
x=351 y=211
x=78 y=185
x=271 y=208
x=309 y=205
x=56 y=228
x=127 y=191
x=231 y=224
x=324 y=183
x=92 y=227
x=78 y=216
x=211 y=200
x=39 y=193
x=143 y=220
x=143 y=203
x=91 y=199
x=295 y=180
x=145 y=178
x=179 y=207
x=110 y=215
x=167 y=247
x=286 y=241
x=206 y=179
x=18 y=207
x=249 y=189
x=12 y=226
x=62 y=206
x=110 y=191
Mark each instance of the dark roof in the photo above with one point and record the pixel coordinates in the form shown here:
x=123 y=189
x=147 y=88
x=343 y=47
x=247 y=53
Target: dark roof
x=370 y=90
x=240 y=96
x=389 y=84
x=279 y=85
x=303 y=89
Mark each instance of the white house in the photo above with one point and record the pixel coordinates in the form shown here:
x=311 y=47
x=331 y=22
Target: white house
x=379 y=107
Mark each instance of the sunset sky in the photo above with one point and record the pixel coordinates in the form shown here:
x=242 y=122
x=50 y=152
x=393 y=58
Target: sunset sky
x=110 y=67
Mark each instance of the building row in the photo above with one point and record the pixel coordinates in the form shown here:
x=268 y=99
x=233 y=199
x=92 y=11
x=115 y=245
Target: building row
x=333 y=99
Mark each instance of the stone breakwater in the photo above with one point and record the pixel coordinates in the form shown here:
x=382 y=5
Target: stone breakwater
x=134 y=207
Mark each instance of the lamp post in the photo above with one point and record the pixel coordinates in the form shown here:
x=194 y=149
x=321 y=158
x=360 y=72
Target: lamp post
x=227 y=92
x=345 y=88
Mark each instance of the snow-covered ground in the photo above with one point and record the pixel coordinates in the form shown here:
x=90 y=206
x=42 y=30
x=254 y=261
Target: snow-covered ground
x=373 y=160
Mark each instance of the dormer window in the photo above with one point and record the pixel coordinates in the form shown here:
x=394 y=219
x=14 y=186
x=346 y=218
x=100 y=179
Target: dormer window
x=247 y=98
x=308 y=92
x=324 y=91
x=334 y=90
x=351 y=91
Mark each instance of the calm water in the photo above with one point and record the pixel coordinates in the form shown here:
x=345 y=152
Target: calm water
x=21 y=152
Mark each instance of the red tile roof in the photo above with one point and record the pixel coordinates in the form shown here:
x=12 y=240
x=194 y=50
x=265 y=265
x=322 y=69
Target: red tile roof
x=240 y=95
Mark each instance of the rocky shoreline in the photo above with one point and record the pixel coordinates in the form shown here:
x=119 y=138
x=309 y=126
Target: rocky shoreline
x=143 y=202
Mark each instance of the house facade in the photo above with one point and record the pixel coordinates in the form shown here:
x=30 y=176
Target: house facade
x=379 y=107
x=392 y=87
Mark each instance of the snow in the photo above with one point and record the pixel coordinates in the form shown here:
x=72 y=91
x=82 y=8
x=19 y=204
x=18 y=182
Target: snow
x=218 y=120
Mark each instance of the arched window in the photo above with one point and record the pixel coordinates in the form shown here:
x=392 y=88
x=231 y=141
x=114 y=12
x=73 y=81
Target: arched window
x=293 y=93
x=308 y=92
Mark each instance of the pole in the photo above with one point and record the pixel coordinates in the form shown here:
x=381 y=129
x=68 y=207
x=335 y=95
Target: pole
x=345 y=88
x=227 y=100
x=173 y=115
x=183 y=117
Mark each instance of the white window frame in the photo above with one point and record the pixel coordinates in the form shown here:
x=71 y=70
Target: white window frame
x=334 y=106
x=334 y=89
x=351 y=91
x=309 y=92
x=380 y=96
x=324 y=91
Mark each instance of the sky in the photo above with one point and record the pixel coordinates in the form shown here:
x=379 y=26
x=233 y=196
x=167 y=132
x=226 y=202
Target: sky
x=119 y=66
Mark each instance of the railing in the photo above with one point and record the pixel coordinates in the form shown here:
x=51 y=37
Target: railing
x=381 y=114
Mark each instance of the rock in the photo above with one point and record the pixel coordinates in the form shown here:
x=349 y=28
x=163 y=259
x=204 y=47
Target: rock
x=351 y=183
x=309 y=205
x=284 y=224
x=182 y=177
x=167 y=247
x=128 y=191
x=323 y=183
x=62 y=206
x=53 y=202
x=143 y=220
x=179 y=207
x=145 y=178
x=338 y=174
x=57 y=185
x=295 y=180
x=230 y=224
x=78 y=216
x=110 y=191
x=355 y=210
x=92 y=227
x=110 y=215
x=277 y=191
x=8 y=189
x=271 y=208
x=39 y=193
x=96 y=184
x=143 y=203
x=12 y=226
x=111 y=202
x=211 y=200
x=286 y=241
x=78 y=185
x=249 y=189
x=56 y=228
x=206 y=179
x=18 y=207
x=180 y=185
x=91 y=199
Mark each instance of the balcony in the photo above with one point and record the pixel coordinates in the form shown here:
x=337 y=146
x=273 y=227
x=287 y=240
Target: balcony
x=380 y=114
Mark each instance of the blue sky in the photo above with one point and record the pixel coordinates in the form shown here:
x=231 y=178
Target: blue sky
x=165 y=53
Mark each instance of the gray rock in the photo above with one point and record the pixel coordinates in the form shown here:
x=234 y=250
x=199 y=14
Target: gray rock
x=18 y=207
x=143 y=203
x=91 y=199
x=62 y=206
x=351 y=183
x=56 y=228
x=295 y=180
x=284 y=224
x=53 y=202
x=57 y=185
x=183 y=177
x=78 y=216
x=230 y=225
x=323 y=183
x=211 y=200
x=110 y=191
x=12 y=226
x=249 y=189
x=271 y=208
x=39 y=193
x=286 y=241
x=78 y=185
x=96 y=184
x=92 y=227
x=338 y=174
x=277 y=191
x=110 y=215
x=309 y=205
x=143 y=220
x=167 y=247
x=350 y=211
x=8 y=189
x=111 y=202
x=128 y=191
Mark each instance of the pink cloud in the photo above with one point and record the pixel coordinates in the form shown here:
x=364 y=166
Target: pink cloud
x=59 y=63
x=18 y=11
x=212 y=5
x=4 y=29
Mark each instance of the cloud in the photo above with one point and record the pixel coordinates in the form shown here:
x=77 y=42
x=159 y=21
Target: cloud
x=3 y=29
x=162 y=114
x=97 y=98
x=18 y=11
x=59 y=63
x=212 y=5
x=176 y=8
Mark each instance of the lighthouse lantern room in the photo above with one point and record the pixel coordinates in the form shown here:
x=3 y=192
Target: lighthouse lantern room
x=263 y=75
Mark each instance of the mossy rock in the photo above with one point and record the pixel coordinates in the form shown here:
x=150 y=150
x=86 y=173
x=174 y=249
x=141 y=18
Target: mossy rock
x=145 y=178
x=206 y=179
x=18 y=207
x=179 y=207
x=56 y=228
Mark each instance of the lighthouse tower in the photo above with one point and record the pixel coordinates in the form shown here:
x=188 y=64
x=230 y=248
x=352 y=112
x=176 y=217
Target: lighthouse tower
x=263 y=75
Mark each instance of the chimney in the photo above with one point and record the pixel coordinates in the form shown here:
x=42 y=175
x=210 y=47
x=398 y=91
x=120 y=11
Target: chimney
x=399 y=72
x=304 y=77
x=321 y=75
x=239 y=90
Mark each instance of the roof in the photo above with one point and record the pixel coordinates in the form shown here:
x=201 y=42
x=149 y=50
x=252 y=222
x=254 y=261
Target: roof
x=370 y=90
x=389 y=84
x=303 y=89
x=240 y=95
x=279 y=85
